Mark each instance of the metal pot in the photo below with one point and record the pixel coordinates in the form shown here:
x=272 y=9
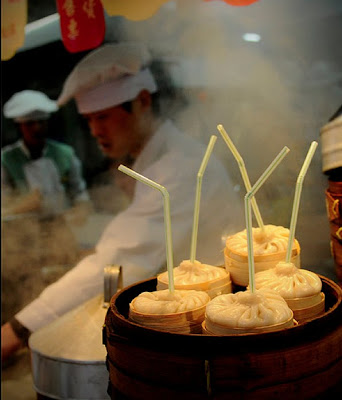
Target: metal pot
x=68 y=356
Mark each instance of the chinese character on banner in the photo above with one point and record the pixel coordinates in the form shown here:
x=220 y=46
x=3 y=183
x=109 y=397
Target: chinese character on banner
x=135 y=10
x=238 y=2
x=13 y=21
x=82 y=24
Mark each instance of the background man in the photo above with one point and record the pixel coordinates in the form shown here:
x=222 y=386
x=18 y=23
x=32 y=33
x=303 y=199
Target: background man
x=37 y=173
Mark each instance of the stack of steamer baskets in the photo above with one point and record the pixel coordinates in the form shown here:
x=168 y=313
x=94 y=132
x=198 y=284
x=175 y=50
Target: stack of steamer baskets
x=302 y=361
x=289 y=360
x=270 y=246
x=300 y=288
x=174 y=337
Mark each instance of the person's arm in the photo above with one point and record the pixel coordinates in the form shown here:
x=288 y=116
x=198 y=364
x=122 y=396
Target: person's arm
x=134 y=239
x=14 y=336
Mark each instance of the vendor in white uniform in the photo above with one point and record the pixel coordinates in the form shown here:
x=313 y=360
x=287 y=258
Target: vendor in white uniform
x=114 y=90
x=38 y=174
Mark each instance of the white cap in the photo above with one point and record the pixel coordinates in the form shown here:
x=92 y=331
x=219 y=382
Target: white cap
x=109 y=76
x=29 y=105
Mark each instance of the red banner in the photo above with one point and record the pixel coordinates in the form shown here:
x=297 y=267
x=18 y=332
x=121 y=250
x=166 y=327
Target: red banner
x=238 y=2
x=82 y=24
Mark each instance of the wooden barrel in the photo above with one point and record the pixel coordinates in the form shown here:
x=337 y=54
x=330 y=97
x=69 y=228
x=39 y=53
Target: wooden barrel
x=334 y=210
x=301 y=362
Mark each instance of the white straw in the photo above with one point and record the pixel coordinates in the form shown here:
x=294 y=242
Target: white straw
x=248 y=213
x=295 y=208
x=198 y=197
x=243 y=171
x=167 y=218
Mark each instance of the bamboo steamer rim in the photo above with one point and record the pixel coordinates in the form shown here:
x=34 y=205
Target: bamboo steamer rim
x=303 y=314
x=212 y=292
x=206 y=285
x=179 y=324
x=125 y=329
x=290 y=322
x=221 y=289
x=228 y=252
x=144 y=315
x=311 y=300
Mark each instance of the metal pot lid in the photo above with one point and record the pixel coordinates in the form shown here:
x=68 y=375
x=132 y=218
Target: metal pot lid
x=77 y=335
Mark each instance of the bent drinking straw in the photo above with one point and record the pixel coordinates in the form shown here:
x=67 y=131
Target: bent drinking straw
x=167 y=218
x=198 y=197
x=243 y=171
x=248 y=213
x=295 y=208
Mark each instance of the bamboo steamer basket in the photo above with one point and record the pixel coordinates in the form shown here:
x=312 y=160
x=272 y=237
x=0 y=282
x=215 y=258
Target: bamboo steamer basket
x=235 y=305
x=236 y=263
x=213 y=287
x=304 y=307
x=180 y=322
x=307 y=307
x=213 y=328
x=303 y=361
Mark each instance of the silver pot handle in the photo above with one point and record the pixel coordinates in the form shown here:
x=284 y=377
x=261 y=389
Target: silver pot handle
x=112 y=282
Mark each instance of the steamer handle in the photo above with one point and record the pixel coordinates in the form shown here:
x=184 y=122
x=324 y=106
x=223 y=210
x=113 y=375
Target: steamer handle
x=112 y=282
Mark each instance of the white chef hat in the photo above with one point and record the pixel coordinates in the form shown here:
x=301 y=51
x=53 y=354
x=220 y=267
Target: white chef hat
x=109 y=76
x=29 y=105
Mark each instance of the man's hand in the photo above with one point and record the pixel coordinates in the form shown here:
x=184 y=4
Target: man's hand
x=10 y=342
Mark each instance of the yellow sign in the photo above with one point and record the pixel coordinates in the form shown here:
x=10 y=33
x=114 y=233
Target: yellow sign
x=13 y=21
x=133 y=9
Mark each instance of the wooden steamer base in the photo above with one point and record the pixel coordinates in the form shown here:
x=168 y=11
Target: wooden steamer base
x=301 y=362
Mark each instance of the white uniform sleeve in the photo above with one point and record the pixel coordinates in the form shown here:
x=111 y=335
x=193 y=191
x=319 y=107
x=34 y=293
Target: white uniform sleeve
x=134 y=239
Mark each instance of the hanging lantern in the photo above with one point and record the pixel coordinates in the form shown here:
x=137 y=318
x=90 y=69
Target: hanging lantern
x=238 y=2
x=82 y=24
x=133 y=9
x=13 y=21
